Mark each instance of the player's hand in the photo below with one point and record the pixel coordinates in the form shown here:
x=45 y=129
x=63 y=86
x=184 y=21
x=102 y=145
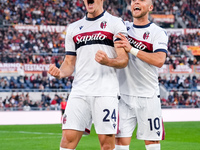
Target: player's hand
x=54 y=71
x=123 y=43
x=101 y=57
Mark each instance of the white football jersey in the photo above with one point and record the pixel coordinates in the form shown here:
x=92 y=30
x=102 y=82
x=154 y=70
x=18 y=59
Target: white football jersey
x=140 y=78
x=84 y=38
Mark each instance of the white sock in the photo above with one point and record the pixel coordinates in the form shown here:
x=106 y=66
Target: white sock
x=65 y=149
x=153 y=147
x=121 y=147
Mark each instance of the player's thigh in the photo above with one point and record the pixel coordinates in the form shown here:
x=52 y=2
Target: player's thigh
x=105 y=114
x=149 y=116
x=127 y=117
x=77 y=114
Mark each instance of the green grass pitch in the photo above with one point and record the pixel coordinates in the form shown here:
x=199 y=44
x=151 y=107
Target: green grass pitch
x=179 y=136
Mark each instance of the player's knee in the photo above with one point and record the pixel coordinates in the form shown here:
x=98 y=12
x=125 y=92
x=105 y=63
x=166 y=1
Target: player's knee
x=67 y=142
x=107 y=142
x=66 y=139
x=123 y=141
x=121 y=147
x=151 y=142
x=107 y=146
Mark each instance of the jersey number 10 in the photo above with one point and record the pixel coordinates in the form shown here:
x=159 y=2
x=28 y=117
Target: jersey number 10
x=154 y=123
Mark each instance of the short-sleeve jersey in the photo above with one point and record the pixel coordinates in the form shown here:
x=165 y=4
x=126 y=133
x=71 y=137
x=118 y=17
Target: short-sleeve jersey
x=83 y=39
x=140 y=78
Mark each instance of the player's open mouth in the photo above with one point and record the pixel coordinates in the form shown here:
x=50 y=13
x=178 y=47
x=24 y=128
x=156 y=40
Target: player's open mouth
x=137 y=9
x=90 y=2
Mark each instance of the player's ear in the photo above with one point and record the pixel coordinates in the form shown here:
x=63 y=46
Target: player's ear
x=150 y=7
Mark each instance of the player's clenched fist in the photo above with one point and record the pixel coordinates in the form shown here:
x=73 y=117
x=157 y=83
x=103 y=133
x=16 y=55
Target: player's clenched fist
x=54 y=71
x=101 y=57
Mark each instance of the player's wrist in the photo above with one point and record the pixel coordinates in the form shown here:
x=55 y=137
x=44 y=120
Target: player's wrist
x=134 y=51
x=59 y=76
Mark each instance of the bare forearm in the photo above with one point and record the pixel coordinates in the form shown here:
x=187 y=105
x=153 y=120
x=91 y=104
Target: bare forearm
x=67 y=67
x=121 y=60
x=118 y=62
x=155 y=59
x=66 y=70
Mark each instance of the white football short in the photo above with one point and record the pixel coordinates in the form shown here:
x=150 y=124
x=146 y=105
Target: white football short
x=81 y=111
x=144 y=112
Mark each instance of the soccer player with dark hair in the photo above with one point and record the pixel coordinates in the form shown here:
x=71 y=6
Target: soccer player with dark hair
x=92 y=54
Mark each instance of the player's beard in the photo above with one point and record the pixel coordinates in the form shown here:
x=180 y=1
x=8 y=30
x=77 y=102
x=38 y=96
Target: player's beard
x=91 y=12
x=141 y=15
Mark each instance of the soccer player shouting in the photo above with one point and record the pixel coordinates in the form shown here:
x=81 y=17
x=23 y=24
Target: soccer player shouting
x=140 y=95
x=91 y=52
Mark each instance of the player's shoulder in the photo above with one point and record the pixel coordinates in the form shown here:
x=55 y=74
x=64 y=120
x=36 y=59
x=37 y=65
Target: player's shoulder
x=72 y=26
x=128 y=23
x=112 y=18
x=157 y=29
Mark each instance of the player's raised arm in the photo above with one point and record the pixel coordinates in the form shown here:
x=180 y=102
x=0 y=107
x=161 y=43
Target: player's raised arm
x=66 y=69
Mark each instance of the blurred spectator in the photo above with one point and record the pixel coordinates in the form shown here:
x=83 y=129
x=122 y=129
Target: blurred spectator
x=1 y=106
x=26 y=107
x=41 y=87
x=6 y=102
x=170 y=98
x=21 y=73
x=54 y=104
x=44 y=74
x=164 y=102
x=35 y=86
x=68 y=85
x=63 y=104
x=48 y=99
x=181 y=82
x=32 y=78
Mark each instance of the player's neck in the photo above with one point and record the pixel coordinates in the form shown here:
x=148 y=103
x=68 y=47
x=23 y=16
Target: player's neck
x=140 y=21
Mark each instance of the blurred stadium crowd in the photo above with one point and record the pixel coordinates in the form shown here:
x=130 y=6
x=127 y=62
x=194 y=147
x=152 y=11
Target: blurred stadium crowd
x=29 y=47
x=48 y=47
x=16 y=46
x=186 y=10
x=23 y=101
x=63 y=12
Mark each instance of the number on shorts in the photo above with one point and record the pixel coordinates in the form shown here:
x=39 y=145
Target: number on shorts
x=156 y=123
x=113 y=116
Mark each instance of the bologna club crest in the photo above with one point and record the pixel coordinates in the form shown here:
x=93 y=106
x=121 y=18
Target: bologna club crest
x=64 y=119
x=103 y=24
x=146 y=35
